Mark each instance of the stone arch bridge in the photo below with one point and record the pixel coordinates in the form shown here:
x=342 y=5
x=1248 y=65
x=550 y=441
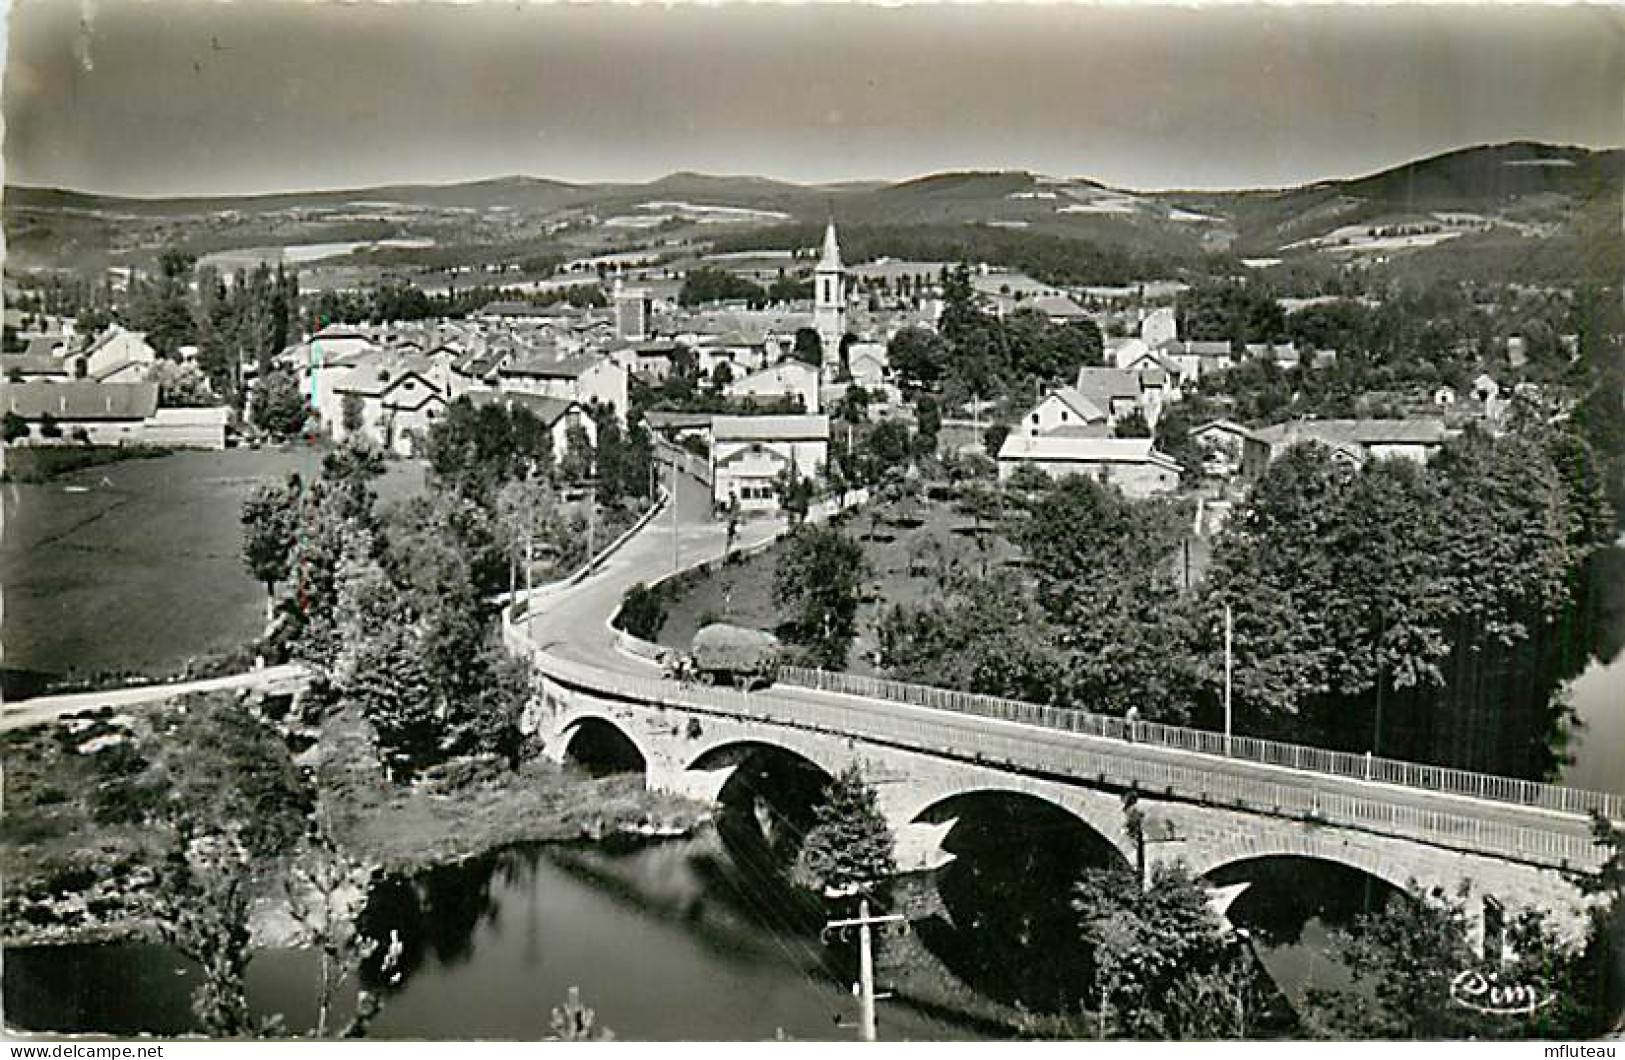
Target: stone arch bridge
x=1209 y=801
x=1205 y=810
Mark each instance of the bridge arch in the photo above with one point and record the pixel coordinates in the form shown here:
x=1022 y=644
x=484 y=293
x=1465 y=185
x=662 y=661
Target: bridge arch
x=767 y=797
x=1002 y=897
x=1205 y=861
x=1100 y=812
x=602 y=746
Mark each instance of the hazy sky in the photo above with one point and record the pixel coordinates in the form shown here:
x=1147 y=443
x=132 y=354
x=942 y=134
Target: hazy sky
x=172 y=97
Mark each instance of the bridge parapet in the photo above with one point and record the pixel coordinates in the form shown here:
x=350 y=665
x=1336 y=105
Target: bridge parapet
x=1552 y=840
x=1416 y=775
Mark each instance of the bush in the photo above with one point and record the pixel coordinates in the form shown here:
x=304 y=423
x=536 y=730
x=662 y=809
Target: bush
x=643 y=611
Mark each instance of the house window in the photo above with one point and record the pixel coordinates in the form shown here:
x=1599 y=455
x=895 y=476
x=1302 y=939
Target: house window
x=1063 y=415
x=1035 y=417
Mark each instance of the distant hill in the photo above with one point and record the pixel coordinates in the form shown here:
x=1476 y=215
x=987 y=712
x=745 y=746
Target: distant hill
x=1491 y=206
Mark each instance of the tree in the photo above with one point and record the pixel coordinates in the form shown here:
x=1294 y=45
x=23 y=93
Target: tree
x=13 y=427
x=849 y=849
x=818 y=579
x=709 y=284
x=378 y=663
x=526 y=521
x=233 y=798
x=795 y=492
x=1405 y=959
x=928 y=418
x=351 y=410
x=202 y=902
x=162 y=305
x=1131 y=425
x=1270 y=569
x=182 y=386
x=327 y=893
x=1147 y=943
x=474 y=449
x=643 y=611
x=270 y=519
x=278 y=407
x=993 y=438
x=809 y=347
x=983 y=635
x=919 y=358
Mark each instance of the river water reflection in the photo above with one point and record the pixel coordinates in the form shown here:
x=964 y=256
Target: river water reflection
x=666 y=942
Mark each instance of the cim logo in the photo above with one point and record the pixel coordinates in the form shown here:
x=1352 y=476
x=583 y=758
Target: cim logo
x=1485 y=993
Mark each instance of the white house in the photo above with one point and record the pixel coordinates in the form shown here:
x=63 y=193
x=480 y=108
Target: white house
x=119 y=356
x=1101 y=396
x=750 y=453
x=787 y=379
x=1355 y=441
x=560 y=417
x=585 y=379
x=1130 y=464
x=398 y=402
x=109 y=414
x=868 y=363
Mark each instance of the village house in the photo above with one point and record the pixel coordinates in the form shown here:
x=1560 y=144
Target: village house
x=1225 y=440
x=583 y=378
x=749 y=454
x=1351 y=440
x=85 y=411
x=787 y=379
x=119 y=356
x=561 y=417
x=1130 y=464
x=397 y=402
x=1100 y=398
x=868 y=364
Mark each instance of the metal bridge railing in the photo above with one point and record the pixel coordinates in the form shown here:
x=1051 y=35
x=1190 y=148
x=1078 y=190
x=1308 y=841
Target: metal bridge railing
x=1055 y=754
x=1202 y=741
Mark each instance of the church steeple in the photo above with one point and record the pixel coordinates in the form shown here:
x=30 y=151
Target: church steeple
x=829 y=304
x=830 y=261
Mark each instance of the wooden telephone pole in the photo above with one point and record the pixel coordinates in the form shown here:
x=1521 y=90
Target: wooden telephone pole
x=866 y=961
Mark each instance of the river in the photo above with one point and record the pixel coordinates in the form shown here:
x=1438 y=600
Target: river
x=666 y=942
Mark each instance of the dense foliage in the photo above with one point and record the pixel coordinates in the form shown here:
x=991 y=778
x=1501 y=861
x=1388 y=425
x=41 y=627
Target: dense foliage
x=818 y=580
x=849 y=849
x=1397 y=580
x=977 y=355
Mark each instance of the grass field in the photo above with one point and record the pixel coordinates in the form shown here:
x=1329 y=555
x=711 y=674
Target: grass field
x=136 y=566
x=908 y=547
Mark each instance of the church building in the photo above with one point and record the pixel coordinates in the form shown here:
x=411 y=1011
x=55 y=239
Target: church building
x=829 y=305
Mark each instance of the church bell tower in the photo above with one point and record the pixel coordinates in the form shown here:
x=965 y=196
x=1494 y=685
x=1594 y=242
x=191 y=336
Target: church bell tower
x=829 y=304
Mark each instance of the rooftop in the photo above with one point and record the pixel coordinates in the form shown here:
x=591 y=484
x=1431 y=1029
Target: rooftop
x=82 y=399
x=770 y=428
x=1072 y=448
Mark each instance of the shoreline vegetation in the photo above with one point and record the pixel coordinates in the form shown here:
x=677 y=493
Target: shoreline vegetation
x=79 y=872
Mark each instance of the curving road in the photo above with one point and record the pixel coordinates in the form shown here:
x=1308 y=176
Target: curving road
x=42 y=709
x=571 y=626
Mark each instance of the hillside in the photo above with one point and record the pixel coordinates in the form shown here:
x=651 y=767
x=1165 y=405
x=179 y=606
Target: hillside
x=1479 y=209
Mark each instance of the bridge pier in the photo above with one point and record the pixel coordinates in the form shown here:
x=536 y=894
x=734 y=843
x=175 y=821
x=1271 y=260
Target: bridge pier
x=919 y=844
x=701 y=785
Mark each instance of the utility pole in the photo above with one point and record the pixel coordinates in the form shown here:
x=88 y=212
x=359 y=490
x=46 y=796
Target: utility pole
x=530 y=532
x=1229 y=634
x=676 y=542
x=866 y=962
x=592 y=514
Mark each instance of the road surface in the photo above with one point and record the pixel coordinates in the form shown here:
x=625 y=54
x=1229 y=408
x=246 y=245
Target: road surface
x=48 y=708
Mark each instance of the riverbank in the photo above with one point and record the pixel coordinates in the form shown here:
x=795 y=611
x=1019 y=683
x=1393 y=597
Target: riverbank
x=81 y=854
